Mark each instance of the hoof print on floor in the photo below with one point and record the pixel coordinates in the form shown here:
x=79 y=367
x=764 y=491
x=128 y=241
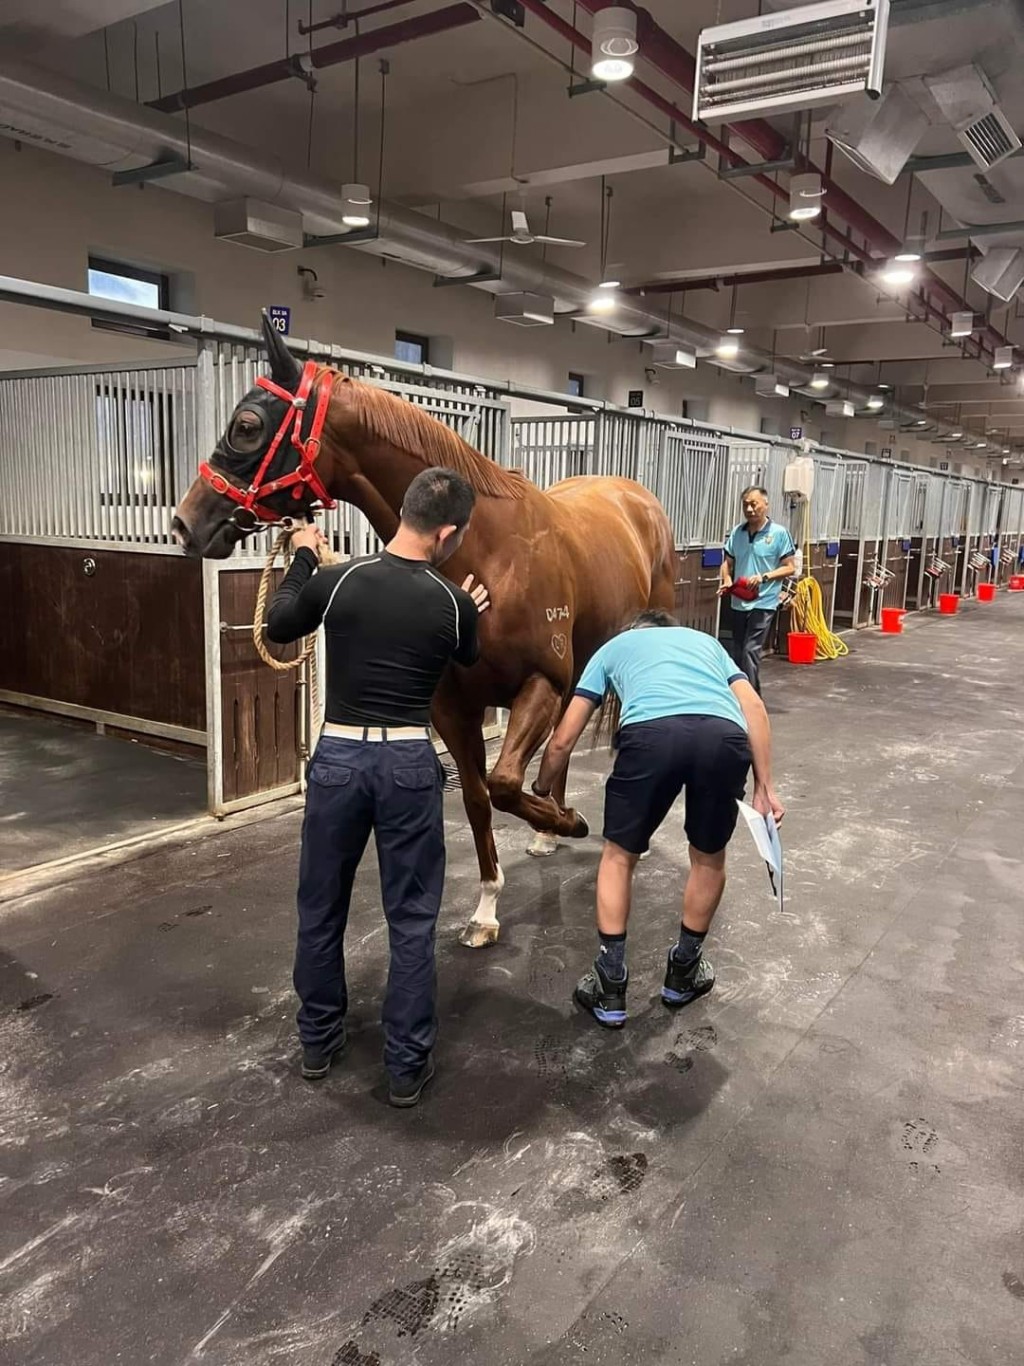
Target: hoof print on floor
x=1014 y=1285
x=199 y=910
x=350 y=1355
x=166 y=925
x=33 y=1002
x=610 y=1319
x=409 y=1308
x=680 y=1063
x=918 y=1137
x=619 y=1175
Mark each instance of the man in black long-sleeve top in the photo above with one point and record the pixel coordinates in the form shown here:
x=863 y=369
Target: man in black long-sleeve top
x=392 y=624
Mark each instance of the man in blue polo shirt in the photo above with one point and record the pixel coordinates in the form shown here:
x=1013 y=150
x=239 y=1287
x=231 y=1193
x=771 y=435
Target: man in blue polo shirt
x=759 y=554
x=689 y=719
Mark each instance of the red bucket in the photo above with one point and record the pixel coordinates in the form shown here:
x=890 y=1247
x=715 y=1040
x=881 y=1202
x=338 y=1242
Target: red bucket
x=802 y=647
x=892 y=620
x=949 y=603
x=1016 y=584
x=986 y=592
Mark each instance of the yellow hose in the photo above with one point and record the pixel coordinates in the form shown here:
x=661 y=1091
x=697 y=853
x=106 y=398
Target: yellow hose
x=808 y=614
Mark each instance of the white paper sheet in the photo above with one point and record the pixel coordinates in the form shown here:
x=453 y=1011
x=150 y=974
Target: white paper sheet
x=765 y=834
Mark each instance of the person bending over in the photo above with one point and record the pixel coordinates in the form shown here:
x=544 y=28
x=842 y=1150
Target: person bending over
x=391 y=624
x=689 y=719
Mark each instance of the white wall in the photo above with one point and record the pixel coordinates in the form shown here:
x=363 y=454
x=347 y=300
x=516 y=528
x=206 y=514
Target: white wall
x=56 y=212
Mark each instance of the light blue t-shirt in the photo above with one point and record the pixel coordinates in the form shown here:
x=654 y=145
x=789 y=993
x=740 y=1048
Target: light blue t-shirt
x=661 y=671
x=758 y=555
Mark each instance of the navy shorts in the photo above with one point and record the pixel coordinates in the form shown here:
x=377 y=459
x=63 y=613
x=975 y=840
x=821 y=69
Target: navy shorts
x=656 y=760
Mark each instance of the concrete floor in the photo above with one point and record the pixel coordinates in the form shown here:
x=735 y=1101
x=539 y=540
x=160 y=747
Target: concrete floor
x=64 y=789
x=819 y=1163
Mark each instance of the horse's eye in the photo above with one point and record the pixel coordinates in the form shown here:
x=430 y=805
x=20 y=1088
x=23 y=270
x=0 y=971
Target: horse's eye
x=246 y=431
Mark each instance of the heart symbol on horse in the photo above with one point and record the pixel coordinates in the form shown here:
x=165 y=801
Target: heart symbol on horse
x=560 y=645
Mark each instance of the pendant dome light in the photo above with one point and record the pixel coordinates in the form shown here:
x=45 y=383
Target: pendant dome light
x=613 y=44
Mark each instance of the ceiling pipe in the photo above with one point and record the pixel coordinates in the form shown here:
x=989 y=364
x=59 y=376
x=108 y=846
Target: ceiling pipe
x=304 y=64
x=111 y=132
x=669 y=57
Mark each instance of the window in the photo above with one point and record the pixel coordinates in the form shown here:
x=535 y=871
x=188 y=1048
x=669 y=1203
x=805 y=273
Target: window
x=135 y=433
x=577 y=385
x=128 y=285
x=412 y=348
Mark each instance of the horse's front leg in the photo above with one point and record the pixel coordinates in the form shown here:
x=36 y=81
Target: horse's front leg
x=461 y=728
x=534 y=713
x=544 y=843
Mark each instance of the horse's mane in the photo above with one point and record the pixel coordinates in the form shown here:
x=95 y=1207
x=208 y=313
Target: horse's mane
x=408 y=427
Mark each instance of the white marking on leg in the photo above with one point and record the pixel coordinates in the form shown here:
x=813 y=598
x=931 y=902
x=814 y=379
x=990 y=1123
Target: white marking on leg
x=542 y=845
x=486 y=912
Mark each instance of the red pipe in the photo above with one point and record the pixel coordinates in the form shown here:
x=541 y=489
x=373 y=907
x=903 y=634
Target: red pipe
x=331 y=54
x=669 y=57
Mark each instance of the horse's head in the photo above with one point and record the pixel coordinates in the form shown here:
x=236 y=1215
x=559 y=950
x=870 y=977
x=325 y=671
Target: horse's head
x=262 y=469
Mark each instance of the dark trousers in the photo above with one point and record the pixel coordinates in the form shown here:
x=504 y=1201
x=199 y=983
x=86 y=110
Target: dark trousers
x=395 y=790
x=749 y=633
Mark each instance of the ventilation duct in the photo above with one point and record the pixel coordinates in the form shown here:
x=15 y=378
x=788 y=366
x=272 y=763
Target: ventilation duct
x=251 y=223
x=668 y=355
x=798 y=59
x=968 y=102
x=879 y=136
x=1000 y=272
x=525 y=310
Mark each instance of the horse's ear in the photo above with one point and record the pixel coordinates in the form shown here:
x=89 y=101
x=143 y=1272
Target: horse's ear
x=285 y=370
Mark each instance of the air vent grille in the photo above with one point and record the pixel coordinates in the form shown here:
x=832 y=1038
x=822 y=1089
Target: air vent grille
x=989 y=139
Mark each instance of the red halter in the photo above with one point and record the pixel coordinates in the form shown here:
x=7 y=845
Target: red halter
x=304 y=475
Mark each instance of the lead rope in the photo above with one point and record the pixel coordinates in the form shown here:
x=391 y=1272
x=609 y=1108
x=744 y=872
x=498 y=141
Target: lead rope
x=308 y=652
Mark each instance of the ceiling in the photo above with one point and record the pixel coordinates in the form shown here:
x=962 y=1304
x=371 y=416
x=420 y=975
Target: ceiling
x=479 y=119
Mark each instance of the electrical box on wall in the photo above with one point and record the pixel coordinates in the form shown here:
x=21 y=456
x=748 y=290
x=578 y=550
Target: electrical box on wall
x=798 y=478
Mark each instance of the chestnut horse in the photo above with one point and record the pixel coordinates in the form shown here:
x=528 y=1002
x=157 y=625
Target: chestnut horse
x=566 y=568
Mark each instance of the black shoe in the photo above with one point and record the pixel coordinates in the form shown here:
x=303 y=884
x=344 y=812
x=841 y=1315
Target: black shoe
x=316 y=1062
x=405 y=1092
x=684 y=984
x=602 y=998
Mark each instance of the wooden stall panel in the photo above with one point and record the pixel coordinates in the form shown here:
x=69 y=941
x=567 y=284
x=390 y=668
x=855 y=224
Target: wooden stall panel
x=915 y=572
x=260 y=705
x=848 y=581
x=126 y=638
x=696 y=592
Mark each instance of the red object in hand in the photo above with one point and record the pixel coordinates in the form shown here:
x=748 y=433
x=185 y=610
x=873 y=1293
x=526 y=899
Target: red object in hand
x=745 y=590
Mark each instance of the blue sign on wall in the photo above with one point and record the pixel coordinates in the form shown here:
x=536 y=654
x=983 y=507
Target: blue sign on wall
x=280 y=318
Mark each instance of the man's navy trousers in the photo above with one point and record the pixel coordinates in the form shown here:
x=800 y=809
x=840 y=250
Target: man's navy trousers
x=395 y=790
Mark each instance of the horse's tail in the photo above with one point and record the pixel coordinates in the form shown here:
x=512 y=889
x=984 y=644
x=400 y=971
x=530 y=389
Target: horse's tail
x=607 y=718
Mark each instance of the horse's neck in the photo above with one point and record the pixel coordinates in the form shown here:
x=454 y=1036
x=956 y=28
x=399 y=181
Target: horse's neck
x=374 y=478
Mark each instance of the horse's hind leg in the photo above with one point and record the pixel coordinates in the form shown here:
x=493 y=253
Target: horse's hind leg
x=534 y=714
x=462 y=731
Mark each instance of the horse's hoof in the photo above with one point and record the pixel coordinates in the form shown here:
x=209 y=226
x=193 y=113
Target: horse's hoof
x=476 y=936
x=542 y=845
x=645 y=855
x=581 y=829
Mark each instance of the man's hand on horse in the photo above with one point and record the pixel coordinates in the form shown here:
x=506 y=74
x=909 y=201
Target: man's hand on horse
x=479 y=593
x=308 y=537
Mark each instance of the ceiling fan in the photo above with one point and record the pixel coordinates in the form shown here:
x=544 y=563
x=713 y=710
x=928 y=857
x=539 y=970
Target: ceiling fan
x=521 y=235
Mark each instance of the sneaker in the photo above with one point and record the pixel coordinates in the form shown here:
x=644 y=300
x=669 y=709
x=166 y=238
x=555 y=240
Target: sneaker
x=685 y=984
x=404 y=1092
x=316 y=1062
x=602 y=998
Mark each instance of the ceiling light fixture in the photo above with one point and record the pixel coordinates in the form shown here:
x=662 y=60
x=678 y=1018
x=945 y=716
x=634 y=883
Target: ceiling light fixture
x=735 y=331
x=728 y=347
x=899 y=272
x=819 y=380
x=602 y=301
x=805 y=193
x=961 y=324
x=921 y=422
x=875 y=402
x=613 y=44
x=955 y=436
x=609 y=284
x=356 y=200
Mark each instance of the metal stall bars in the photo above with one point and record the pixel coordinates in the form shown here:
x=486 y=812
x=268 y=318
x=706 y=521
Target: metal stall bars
x=954 y=528
x=691 y=483
x=94 y=459
x=266 y=720
x=1011 y=528
x=818 y=538
x=974 y=563
x=896 y=541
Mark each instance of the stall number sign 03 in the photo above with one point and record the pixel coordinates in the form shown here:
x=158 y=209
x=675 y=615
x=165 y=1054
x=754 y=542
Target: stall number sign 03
x=280 y=318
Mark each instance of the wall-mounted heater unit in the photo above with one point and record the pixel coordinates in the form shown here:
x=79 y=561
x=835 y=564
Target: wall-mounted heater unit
x=840 y=407
x=797 y=59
